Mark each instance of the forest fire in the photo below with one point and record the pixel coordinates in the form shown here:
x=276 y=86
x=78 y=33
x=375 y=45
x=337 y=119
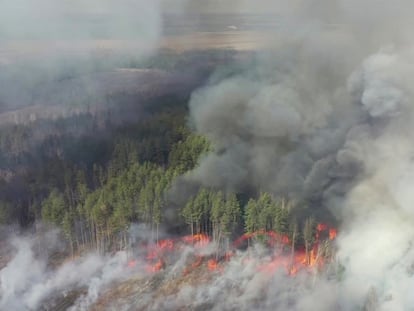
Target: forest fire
x=332 y=233
x=212 y=264
x=300 y=259
x=197 y=240
x=284 y=253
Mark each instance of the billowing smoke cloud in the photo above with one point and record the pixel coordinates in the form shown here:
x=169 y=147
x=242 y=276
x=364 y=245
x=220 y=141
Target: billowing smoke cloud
x=275 y=127
x=288 y=123
x=326 y=117
x=377 y=244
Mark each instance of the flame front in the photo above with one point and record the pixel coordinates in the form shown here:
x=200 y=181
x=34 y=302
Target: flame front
x=280 y=247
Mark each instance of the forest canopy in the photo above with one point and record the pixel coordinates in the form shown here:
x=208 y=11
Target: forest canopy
x=93 y=175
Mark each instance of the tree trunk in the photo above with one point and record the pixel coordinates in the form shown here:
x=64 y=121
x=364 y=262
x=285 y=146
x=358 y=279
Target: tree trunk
x=292 y=256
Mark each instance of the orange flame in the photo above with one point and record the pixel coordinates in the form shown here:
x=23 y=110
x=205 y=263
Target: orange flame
x=321 y=227
x=272 y=238
x=158 y=266
x=212 y=264
x=198 y=240
x=132 y=263
x=332 y=233
x=283 y=257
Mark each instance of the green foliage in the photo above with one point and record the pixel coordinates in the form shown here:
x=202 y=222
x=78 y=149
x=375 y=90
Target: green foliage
x=267 y=213
x=185 y=154
x=231 y=215
x=252 y=216
x=53 y=208
x=211 y=212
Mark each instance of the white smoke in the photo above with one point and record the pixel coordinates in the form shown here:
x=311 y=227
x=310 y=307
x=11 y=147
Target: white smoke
x=246 y=282
x=30 y=281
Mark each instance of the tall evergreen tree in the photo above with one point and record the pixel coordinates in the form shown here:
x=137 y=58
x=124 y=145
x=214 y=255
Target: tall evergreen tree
x=309 y=237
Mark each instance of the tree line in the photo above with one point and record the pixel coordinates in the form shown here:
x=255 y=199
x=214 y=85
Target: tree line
x=94 y=184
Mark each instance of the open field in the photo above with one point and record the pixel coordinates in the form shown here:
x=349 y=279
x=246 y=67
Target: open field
x=211 y=31
x=12 y=51
x=64 y=89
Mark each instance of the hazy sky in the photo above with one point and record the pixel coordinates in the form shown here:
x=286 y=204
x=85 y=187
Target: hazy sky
x=22 y=19
x=230 y=6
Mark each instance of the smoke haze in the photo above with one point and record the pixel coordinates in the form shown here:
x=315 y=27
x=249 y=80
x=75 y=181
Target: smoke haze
x=324 y=117
x=30 y=281
x=45 y=19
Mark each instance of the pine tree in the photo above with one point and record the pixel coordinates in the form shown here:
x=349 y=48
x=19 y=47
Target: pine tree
x=202 y=210
x=293 y=236
x=217 y=208
x=232 y=215
x=190 y=215
x=266 y=207
x=281 y=217
x=309 y=237
x=252 y=216
x=53 y=208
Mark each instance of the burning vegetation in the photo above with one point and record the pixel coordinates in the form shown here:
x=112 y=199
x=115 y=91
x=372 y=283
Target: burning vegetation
x=283 y=252
x=210 y=179
x=178 y=268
